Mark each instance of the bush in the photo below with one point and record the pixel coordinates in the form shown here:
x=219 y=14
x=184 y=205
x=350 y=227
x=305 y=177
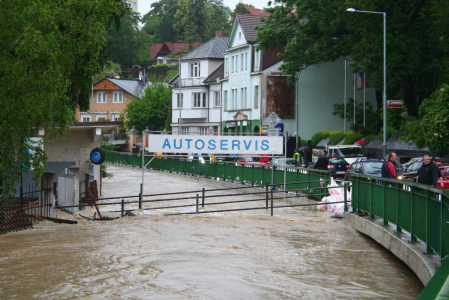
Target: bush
x=336 y=137
x=352 y=137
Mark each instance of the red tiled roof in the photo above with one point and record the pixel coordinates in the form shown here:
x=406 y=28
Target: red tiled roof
x=257 y=12
x=154 y=49
x=248 y=22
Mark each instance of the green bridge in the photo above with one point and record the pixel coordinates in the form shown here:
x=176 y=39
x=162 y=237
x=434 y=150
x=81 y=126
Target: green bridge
x=421 y=210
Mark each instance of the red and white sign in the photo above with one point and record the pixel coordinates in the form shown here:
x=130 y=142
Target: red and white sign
x=395 y=103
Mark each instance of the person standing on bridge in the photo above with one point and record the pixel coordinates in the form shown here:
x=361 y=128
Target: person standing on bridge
x=389 y=167
x=297 y=156
x=428 y=172
x=322 y=162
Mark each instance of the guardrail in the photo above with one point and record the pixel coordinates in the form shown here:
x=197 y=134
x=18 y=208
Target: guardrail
x=421 y=210
x=244 y=174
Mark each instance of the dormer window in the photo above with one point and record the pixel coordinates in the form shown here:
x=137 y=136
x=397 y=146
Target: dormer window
x=194 y=70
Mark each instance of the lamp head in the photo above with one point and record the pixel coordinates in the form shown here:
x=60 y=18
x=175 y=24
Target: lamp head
x=351 y=9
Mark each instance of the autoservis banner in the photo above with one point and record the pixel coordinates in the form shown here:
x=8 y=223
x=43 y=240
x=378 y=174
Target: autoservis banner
x=215 y=144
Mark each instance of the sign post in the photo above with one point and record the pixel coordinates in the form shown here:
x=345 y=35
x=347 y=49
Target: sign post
x=395 y=103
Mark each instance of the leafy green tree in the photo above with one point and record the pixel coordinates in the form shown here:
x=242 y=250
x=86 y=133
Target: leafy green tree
x=240 y=9
x=435 y=121
x=323 y=31
x=152 y=110
x=129 y=46
x=49 y=51
x=110 y=69
x=372 y=117
x=193 y=20
x=158 y=22
x=221 y=17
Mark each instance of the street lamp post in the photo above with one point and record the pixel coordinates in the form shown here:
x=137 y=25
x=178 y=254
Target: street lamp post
x=179 y=99
x=385 y=74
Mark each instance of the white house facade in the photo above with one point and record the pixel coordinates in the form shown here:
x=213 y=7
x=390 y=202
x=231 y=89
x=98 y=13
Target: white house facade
x=197 y=90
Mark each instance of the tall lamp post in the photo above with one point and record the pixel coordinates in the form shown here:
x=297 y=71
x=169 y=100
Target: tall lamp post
x=385 y=73
x=179 y=99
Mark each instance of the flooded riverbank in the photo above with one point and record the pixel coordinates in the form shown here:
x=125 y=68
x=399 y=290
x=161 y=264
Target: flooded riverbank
x=295 y=254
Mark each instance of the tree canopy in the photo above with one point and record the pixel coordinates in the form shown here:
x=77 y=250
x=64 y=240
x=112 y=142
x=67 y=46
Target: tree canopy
x=129 y=45
x=152 y=110
x=48 y=54
x=323 y=31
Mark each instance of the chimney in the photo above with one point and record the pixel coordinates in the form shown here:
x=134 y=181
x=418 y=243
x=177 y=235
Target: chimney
x=220 y=33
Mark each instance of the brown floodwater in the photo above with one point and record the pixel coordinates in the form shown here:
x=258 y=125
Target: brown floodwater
x=295 y=254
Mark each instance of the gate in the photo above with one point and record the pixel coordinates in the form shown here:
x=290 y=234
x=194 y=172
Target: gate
x=66 y=191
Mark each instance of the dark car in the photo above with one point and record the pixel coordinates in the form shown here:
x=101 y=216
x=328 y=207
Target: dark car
x=411 y=171
x=337 y=165
x=370 y=167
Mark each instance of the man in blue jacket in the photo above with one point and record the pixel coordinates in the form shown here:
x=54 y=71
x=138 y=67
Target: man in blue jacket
x=389 y=168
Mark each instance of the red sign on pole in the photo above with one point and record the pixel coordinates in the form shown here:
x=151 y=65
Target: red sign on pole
x=395 y=103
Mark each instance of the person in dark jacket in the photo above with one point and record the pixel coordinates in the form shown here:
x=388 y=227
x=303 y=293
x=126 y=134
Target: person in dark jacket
x=389 y=167
x=428 y=172
x=322 y=162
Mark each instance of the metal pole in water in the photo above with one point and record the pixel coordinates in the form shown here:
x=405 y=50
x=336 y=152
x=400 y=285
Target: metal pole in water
x=197 y=202
x=266 y=193
x=140 y=196
x=202 y=203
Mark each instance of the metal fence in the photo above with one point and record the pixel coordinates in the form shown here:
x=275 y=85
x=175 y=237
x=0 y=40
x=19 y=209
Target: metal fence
x=421 y=210
x=230 y=171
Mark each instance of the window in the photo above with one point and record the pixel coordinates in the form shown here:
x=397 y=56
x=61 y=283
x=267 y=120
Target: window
x=184 y=130
x=118 y=97
x=234 y=98
x=232 y=64
x=256 y=59
x=256 y=96
x=216 y=99
x=180 y=100
x=203 y=130
x=225 y=100
x=194 y=70
x=246 y=60
x=101 y=97
x=116 y=118
x=101 y=118
x=231 y=103
x=199 y=99
x=244 y=104
x=236 y=63
x=226 y=65
x=85 y=119
x=242 y=62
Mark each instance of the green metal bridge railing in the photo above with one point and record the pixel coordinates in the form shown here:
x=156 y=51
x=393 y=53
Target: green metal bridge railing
x=254 y=175
x=421 y=210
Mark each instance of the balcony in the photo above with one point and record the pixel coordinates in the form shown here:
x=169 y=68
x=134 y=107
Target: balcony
x=186 y=82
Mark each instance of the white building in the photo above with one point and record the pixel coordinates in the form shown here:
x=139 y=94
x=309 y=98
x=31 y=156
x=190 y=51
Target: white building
x=197 y=89
x=133 y=4
x=253 y=88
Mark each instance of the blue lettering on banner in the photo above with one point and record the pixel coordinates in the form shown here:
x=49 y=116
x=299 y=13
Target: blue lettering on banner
x=188 y=143
x=180 y=144
x=196 y=144
x=236 y=144
x=212 y=145
x=265 y=145
x=256 y=144
x=166 y=144
x=247 y=145
x=223 y=144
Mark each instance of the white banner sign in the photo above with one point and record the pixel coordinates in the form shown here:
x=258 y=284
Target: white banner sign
x=215 y=144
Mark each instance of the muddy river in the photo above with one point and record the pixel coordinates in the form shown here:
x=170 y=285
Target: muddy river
x=296 y=254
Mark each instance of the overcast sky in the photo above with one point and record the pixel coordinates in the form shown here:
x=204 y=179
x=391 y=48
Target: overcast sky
x=144 y=6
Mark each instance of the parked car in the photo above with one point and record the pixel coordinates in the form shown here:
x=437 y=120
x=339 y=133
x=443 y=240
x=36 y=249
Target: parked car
x=370 y=167
x=337 y=165
x=249 y=160
x=445 y=174
x=285 y=162
x=411 y=171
